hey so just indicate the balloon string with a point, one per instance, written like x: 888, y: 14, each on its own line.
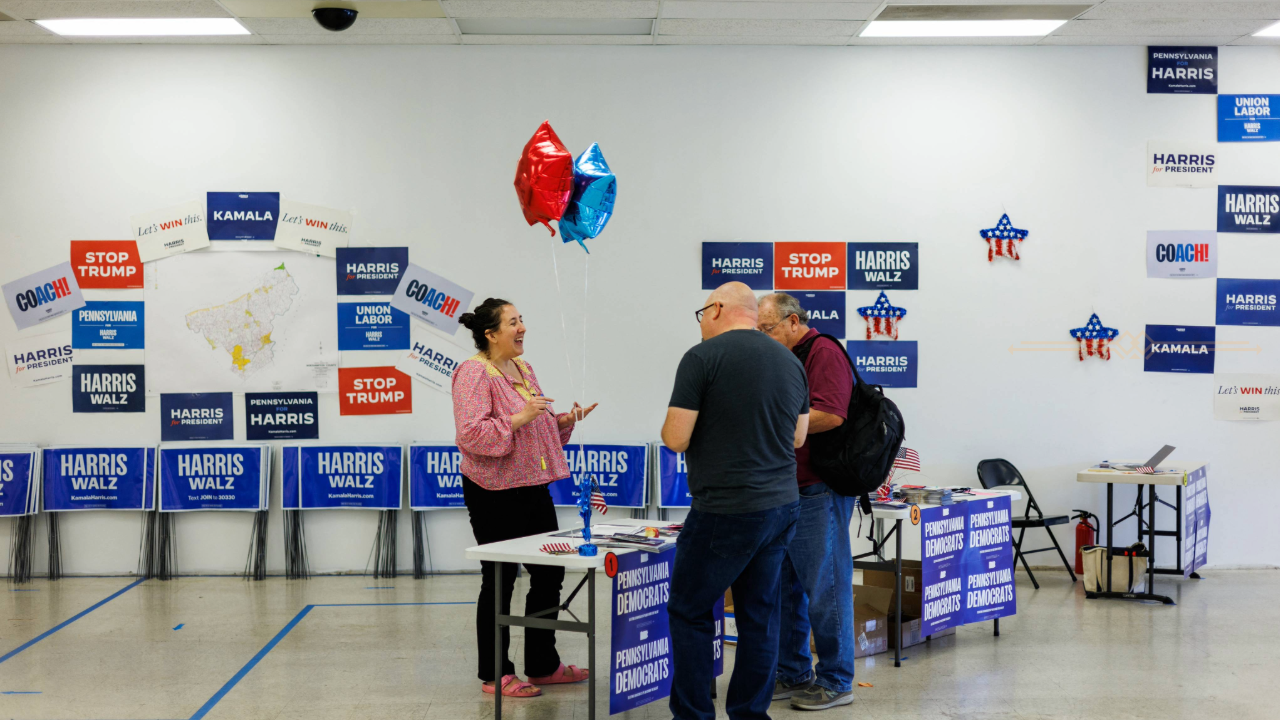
x: 564, y: 329
x: 586, y: 266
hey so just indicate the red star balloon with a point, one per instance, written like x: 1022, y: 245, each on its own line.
x: 544, y: 177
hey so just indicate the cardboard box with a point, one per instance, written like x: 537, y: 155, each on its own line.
x: 912, y: 598
x: 871, y: 607
x: 911, y: 632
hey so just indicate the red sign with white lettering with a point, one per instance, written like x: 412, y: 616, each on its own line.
x: 808, y: 266
x: 374, y: 391
x: 112, y: 264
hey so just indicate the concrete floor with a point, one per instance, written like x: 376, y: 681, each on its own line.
x: 225, y: 648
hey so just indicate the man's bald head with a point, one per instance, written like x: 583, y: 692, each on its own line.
x: 735, y: 309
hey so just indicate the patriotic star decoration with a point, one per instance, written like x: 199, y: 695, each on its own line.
x: 882, y: 318
x: 1094, y: 339
x: 1002, y: 240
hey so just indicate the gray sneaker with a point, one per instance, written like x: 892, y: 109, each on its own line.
x: 819, y: 698
x: 782, y: 691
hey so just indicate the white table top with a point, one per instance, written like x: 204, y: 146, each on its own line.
x: 527, y: 549
x: 1180, y: 469
x: 887, y: 513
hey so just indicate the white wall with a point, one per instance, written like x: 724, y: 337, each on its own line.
x: 835, y: 144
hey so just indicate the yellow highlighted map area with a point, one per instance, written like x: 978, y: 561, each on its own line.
x: 248, y: 343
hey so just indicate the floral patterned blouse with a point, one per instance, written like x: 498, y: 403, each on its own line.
x: 493, y: 456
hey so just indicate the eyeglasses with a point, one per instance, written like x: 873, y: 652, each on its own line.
x: 771, y: 327
x: 698, y: 313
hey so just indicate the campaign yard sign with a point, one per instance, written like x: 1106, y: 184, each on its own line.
x: 224, y: 477
x: 196, y: 416
x: 19, y: 480
x: 108, y: 388
x: 40, y: 360
x: 1182, y: 254
x: 243, y: 215
x: 432, y: 360
x: 435, y: 477
x: 106, y: 264
x: 312, y: 229
x: 1182, y: 70
x: 99, y: 478
x: 1185, y: 165
x: 1247, y: 302
x: 1196, y: 515
x: 884, y: 265
x: 1248, y: 209
x: 173, y: 230
x: 42, y: 296
x: 673, y: 479
x: 942, y: 542
x: 109, y: 325
x: 988, y: 563
x: 281, y: 416
x: 362, y: 477
x: 1179, y: 348
x: 619, y: 470
x: 1248, y: 118
x: 432, y: 299
x: 826, y: 311
x: 374, y: 391
x: 1246, y: 396
x: 370, y: 271
x: 745, y: 262
x: 372, y: 326
x: 888, y: 363
x: 809, y: 266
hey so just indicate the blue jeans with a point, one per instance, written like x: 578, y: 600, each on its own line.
x: 817, y: 590
x: 715, y: 552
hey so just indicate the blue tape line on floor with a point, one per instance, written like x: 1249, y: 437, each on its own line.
x: 179, y: 627
x: 21, y: 692
x: 72, y: 619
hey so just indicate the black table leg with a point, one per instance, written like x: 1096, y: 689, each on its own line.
x: 1123, y: 595
x: 497, y: 641
x: 591, y: 643
x: 1151, y: 534
x: 997, y: 627
x: 897, y: 573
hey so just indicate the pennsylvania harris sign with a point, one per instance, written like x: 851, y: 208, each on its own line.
x: 1182, y: 70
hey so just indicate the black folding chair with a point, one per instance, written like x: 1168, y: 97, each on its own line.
x: 996, y: 473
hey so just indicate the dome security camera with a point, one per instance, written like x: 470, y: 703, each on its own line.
x: 335, y: 19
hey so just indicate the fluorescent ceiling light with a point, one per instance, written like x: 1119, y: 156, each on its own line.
x: 1269, y: 31
x: 961, y: 28
x: 555, y: 26
x: 142, y: 27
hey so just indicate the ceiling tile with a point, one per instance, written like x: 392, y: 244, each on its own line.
x: 755, y: 9
x: 749, y: 40
x: 1184, y: 11
x: 367, y: 8
x: 551, y: 8
x: 170, y: 40
x: 556, y: 40
x: 1160, y: 28
x: 11, y: 28
x: 49, y: 9
x: 363, y: 26
x: 946, y: 41
x: 749, y: 28
x: 1136, y: 40
x: 346, y: 38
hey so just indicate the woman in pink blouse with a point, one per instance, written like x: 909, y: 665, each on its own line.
x: 511, y: 443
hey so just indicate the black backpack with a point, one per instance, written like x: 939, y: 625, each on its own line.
x: 856, y: 457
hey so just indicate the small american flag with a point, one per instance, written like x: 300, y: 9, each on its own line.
x: 908, y: 460
x: 558, y: 548
x: 597, y: 502
x: 1144, y: 470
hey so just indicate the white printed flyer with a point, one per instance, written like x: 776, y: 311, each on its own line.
x: 312, y: 229
x: 171, y: 231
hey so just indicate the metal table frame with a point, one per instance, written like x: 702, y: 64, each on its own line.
x: 1151, y: 532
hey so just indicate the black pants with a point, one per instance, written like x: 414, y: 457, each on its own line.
x: 503, y: 515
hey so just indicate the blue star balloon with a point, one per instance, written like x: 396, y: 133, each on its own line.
x: 595, y: 188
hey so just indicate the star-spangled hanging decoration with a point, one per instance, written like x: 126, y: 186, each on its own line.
x: 1094, y: 339
x: 1003, y: 239
x: 882, y: 318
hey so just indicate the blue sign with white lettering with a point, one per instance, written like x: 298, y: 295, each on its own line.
x: 745, y: 262
x: 887, y: 363
x: 1248, y: 209
x: 364, y: 477
x: 826, y: 310
x: 281, y: 416
x: 372, y: 326
x: 1247, y: 302
x: 370, y: 271
x: 883, y: 265
x: 988, y: 561
x: 243, y: 216
x: 227, y: 477
x: 673, y: 479
x: 109, y: 325
x: 18, y: 490
x: 943, y: 533
x: 196, y: 416
x: 99, y: 478
x: 435, y: 477
x: 1179, y: 348
x: 1182, y: 70
x: 108, y: 388
x: 1248, y: 118
x: 619, y: 470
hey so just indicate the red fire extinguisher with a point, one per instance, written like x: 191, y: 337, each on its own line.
x: 1086, y: 534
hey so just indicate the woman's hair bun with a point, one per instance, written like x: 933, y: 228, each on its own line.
x: 466, y: 319
x: 485, y: 317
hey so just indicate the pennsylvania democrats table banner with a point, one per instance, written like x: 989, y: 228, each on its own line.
x: 243, y: 216
x: 363, y: 477
x: 435, y: 476
x: 432, y: 299
x: 108, y: 388
x: 42, y: 296
x: 370, y: 271
x: 1182, y: 70
x: 673, y: 478
x: 372, y: 326
x: 109, y: 325
x: 106, y: 264
x: 173, y: 230
x: 745, y: 262
x: 99, y: 478
x: 281, y: 416
x: 1195, y: 521
x: 888, y: 363
x: 1248, y: 209
x: 214, y: 477
x: 619, y: 470
x: 1247, y: 302
x: 967, y: 567
x: 1179, y: 348
x: 196, y: 416
x: 312, y: 229
x: 40, y: 360
x: 1245, y: 118
x: 884, y: 265
x: 19, y: 479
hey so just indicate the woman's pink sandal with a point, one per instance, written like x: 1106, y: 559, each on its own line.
x: 513, y: 686
x: 563, y: 674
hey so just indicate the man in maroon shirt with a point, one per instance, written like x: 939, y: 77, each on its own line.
x: 817, y: 572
